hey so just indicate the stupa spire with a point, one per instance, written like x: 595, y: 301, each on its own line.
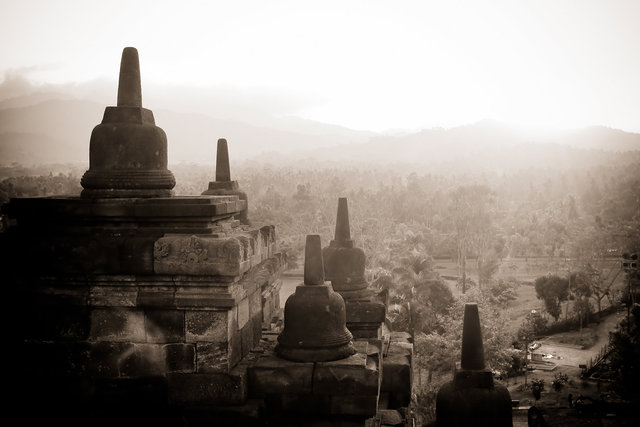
x: 472, y: 348
x: 313, y: 268
x: 343, y: 232
x: 223, y: 170
x: 129, y: 86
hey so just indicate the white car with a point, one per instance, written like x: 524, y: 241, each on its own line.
x: 534, y: 346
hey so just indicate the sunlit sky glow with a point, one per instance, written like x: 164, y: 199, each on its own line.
x: 372, y: 65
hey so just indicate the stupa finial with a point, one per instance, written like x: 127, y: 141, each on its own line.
x: 343, y: 231
x: 129, y: 86
x: 223, y: 170
x: 313, y: 268
x: 472, y: 348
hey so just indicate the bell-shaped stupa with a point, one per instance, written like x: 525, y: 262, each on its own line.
x: 128, y: 152
x: 223, y: 185
x: 314, y: 316
x: 472, y: 398
x: 343, y: 262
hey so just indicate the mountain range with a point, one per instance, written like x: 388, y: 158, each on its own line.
x: 56, y: 128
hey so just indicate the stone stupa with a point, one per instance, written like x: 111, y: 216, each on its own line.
x: 128, y: 152
x: 223, y: 185
x: 314, y: 316
x: 473, y: 398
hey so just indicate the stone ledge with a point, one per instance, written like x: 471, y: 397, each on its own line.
x: 272, y: 375
x: 208, y: 389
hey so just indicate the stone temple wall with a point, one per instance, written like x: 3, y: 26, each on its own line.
x: 113, y: 302
x: 129, y: 306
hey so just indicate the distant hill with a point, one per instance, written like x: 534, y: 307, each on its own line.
x: 62, y: 128
x: 42, y: 128
x: 486, y: 145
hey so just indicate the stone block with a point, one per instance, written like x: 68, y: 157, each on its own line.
x: 180, y: 357
x: 397, y: 374
x: 255, y: 303
x: 210, y: 326
x: 361, y: 331
x: 113, y: 296
x: 208, y: 389
x: 50, y: 359
x: 235, y: 348
x: 272, y: 375
x: 212, y: 358
x: 200, y: 255
x: 397, y: 336
x: 164, y: 326
x: 188, y: 298
x: 246, y: 336
x: 354, y: 375
x: 371, y: 311
x: 354, y: 405
x: 44, y: 323
x: 144, y: 360
x: 243, y: 313
x: 304, y: 405
x: 256, y: 328
x: 156, y: 296
x: 117, y: 324
x: 104, y: 359
x: 136, y: 255
x: 267, y: 307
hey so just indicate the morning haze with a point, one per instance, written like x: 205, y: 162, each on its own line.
x: 186, y: 260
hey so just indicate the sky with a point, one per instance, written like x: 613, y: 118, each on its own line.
x: 370, y: 65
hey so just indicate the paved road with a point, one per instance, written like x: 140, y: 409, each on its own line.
x: 570, y: 355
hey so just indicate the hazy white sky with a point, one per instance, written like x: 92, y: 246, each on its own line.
x: 364, y: 64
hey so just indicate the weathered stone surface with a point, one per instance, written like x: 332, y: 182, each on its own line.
x: 104, y: 359
x: 124, y: 325
x: 243, y: 313
x: 313, y: 268
x: 199, y: 255
x: 213, y: 357
x: 390, y: 417
x: 364, y: 406
x: 191, y: 297
x: 180, y: 357
x: 156, y: 296
x: 276, y: 376
x: 136, y: 255
x: 46, y: 323
x: 371, y: 311
x: 144, y: 360
x: 246, y: 336
x: 113, y: 296
x: 164, y: 326
x: 210, y: 326
x: 208, y: 389
x: 255, y: 303
x: 396, y: 374
x: 305, y: 406
x: 350, y: 376
x: 129, y: 85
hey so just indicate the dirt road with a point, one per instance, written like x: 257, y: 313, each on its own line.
x: 571, y: 355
